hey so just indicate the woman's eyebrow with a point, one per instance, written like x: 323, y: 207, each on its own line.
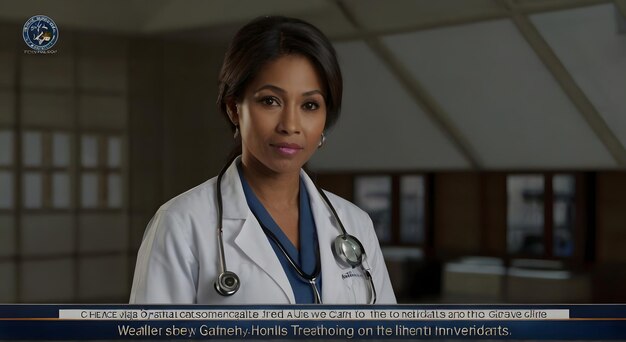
x: 272, y: 87
x: 283, y: 91
x: 311, y: 92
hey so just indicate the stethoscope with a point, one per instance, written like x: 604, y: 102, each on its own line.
x: 347, y: 249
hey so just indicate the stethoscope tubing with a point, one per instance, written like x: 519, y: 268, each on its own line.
x: 220, y: 207
x: 298, y: 269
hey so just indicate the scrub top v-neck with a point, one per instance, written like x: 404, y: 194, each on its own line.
x: 306, y: 257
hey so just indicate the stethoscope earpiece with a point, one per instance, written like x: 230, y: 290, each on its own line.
x: 227, y: 283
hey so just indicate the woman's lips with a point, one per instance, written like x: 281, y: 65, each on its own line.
x: 287, y: 148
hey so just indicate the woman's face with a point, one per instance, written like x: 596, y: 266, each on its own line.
x: 282, y: 115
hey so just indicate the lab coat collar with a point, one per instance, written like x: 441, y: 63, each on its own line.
x: 237, y: 207
x: 233, y: 198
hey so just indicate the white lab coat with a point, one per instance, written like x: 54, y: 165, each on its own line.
x: 178, y: 260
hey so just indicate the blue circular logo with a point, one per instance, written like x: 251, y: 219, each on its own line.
x: 40, y: 33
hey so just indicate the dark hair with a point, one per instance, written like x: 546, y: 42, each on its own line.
x: 267, y: 38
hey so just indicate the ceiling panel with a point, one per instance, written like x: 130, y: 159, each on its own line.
x: 330, y: 20
x: 187, y: 14
x: 547, y: 5
x: 500, y: 95
x: 379, y: 15
x: 588, y: 43
x: 381, y: 127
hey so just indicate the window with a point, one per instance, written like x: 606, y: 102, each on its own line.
x: 412, y: 209
x: 6, y: 169
x: 564, y: 214
x: 101, y: 171
x: 6, y: 189
x: 46, y: 163
x: 373, y: 194
x: 61, y: 189
x: 396, y: 204
x: 541, y: 215
x: 6, y: 147
x: 525, y: 214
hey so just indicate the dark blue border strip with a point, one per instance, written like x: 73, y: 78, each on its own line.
x: 592, y: 322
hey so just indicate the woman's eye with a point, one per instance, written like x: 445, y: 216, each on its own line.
x: 311, y: 106
x: 269, y: 101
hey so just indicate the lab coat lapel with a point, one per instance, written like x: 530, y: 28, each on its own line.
x: 253, y: 242
x: 327, y: 231
x: 250, y: 239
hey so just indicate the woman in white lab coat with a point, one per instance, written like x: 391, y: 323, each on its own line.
x: 282, y: 240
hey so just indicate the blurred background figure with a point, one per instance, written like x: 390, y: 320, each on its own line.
x: 490, y: 149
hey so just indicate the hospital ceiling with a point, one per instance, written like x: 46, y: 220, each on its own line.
x: 430, y: 84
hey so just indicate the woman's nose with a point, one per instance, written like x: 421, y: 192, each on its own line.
x: 289, y: 121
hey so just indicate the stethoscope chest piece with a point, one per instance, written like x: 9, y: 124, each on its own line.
x: 227, y: 283
x: 348, y: 250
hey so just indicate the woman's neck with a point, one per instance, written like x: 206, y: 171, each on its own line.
x: 275, y: 190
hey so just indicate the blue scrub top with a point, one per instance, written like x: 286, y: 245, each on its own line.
x: 306, y: 257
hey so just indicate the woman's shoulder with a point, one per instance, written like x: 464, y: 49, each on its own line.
x: 198, y: 198
x: 177, y: 218
x: 344, y: 205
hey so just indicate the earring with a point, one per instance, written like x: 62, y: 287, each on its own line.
x: 236, y: 135
x: 322, y: 140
